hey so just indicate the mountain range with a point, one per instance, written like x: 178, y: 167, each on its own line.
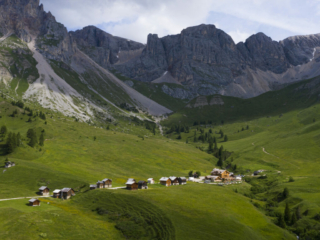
x: 76, y: 72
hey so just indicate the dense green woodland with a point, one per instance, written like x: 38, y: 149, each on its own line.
x: 50, y: 149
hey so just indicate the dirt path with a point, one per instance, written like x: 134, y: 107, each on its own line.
x: 8, y: 199
x: 263, y: 149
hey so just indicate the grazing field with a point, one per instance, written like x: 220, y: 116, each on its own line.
x: 76, y: 154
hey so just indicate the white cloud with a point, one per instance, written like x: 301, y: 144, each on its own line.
x: 134, y: 19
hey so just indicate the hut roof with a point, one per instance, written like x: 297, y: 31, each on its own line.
x: 106, y: 179
x: 33, y: 200
x: 142, y: 182
x: 164, y: 179
x: 43, y: 188
x: 150, y: 179
x: 66, y: 189
x: 57, y: 191
x: 183, y: 178
x: 172, y: 178
x: 130, y: 182
x: 93, y: 185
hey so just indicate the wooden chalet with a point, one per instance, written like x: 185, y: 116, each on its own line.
x: 34, y: 202
x: 165, y: 181
x: 107, y: 183
x: 57, y: 193
x: 131, y: 184
x: 174, y: 180
x: 92, y: 187
x: 142, y: 185
x: 222, y: 174
x: 150, y: 180
x: 182, y: 180
x: 100, y: 184
x: 66, y: 193
x: 44, y: 191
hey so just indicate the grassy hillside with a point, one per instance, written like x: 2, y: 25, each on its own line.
x: 293, y: 97
x: 76, y: 154
x: 284, y: 146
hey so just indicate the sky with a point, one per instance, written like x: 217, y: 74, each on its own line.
x: 135, y: 19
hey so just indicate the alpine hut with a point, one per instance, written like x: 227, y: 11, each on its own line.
x: 165, y: 181
x: 56, y: 193
x: 66, y: 193
x: 142, y: 185
x: 131, y: 184
x: 150, y: 180
x: 107, y: 183
x: 100, y: 184
x: 174, y: 180
x: 182, y: 180
x: 92, y: 187
x: 34, y: 202
x: 44, y: 191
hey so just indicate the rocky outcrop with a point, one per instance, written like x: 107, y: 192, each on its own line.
x: 104, y: 48
x: 27, y: 19
x: 206, y: 61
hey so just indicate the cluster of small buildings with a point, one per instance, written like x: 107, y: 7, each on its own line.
x: 220, y: 175
x: 132, y: 184
x: 105, y: 183
x: 170, y: 181
x: 64, y: 193
x: 9, y: 164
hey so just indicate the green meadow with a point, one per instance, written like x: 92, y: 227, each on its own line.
x: 77, y: 154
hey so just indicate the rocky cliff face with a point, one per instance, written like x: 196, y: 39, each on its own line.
x: 28, y: 20
x: 206, y: 61
x: 104, y: 48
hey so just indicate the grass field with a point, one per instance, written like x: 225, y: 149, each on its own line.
x: 76, y: 154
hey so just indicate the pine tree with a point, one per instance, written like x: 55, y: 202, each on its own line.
x: 210, y: 130
x: 220, y: 162
x: 4, y: 130
x: 221, y: 134
x: 41, y: 140
x: 33, y: 138
x: 18, y: 139
x: 210, y: 146
x: 154, y: 131
x: 287, y: 214
x: 293, y: 218
x: 187, y: 140
x: 10, y: 145
x: 108, y: 127
x: 226, y: 138
x: 281, y: 221
x: 195, y: 137
x: 220, y: 151
x: 215, y: 146
x: 242, y: 129
x: 285, y: 192
x: 14, y: 140
x: 214, y: 140
x: 247, y: 127
x: 190, y: 173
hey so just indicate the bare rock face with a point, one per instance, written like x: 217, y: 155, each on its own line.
x: 27, y: 19
x: 104, y: 48
x: 206, y: 61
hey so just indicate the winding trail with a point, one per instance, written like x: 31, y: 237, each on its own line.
x: 263, y: 149
x: 8, y: 199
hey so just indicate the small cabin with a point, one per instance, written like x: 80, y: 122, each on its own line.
x: 100, y: 184
x: 34, y: 202
x: 142, y: 185
x: 107, y: 183
x: 165, y: 181
x: 92, y: 187
x: 150, y: 180
x: 56, y: 193
x: 238, y: 178
x: 174, y: 180
x: 131, y: 184
x: 66, y: 193
x: 182, y: 180
x: 44, y: 191
x: 191, y: 179
x: 9, y: 164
